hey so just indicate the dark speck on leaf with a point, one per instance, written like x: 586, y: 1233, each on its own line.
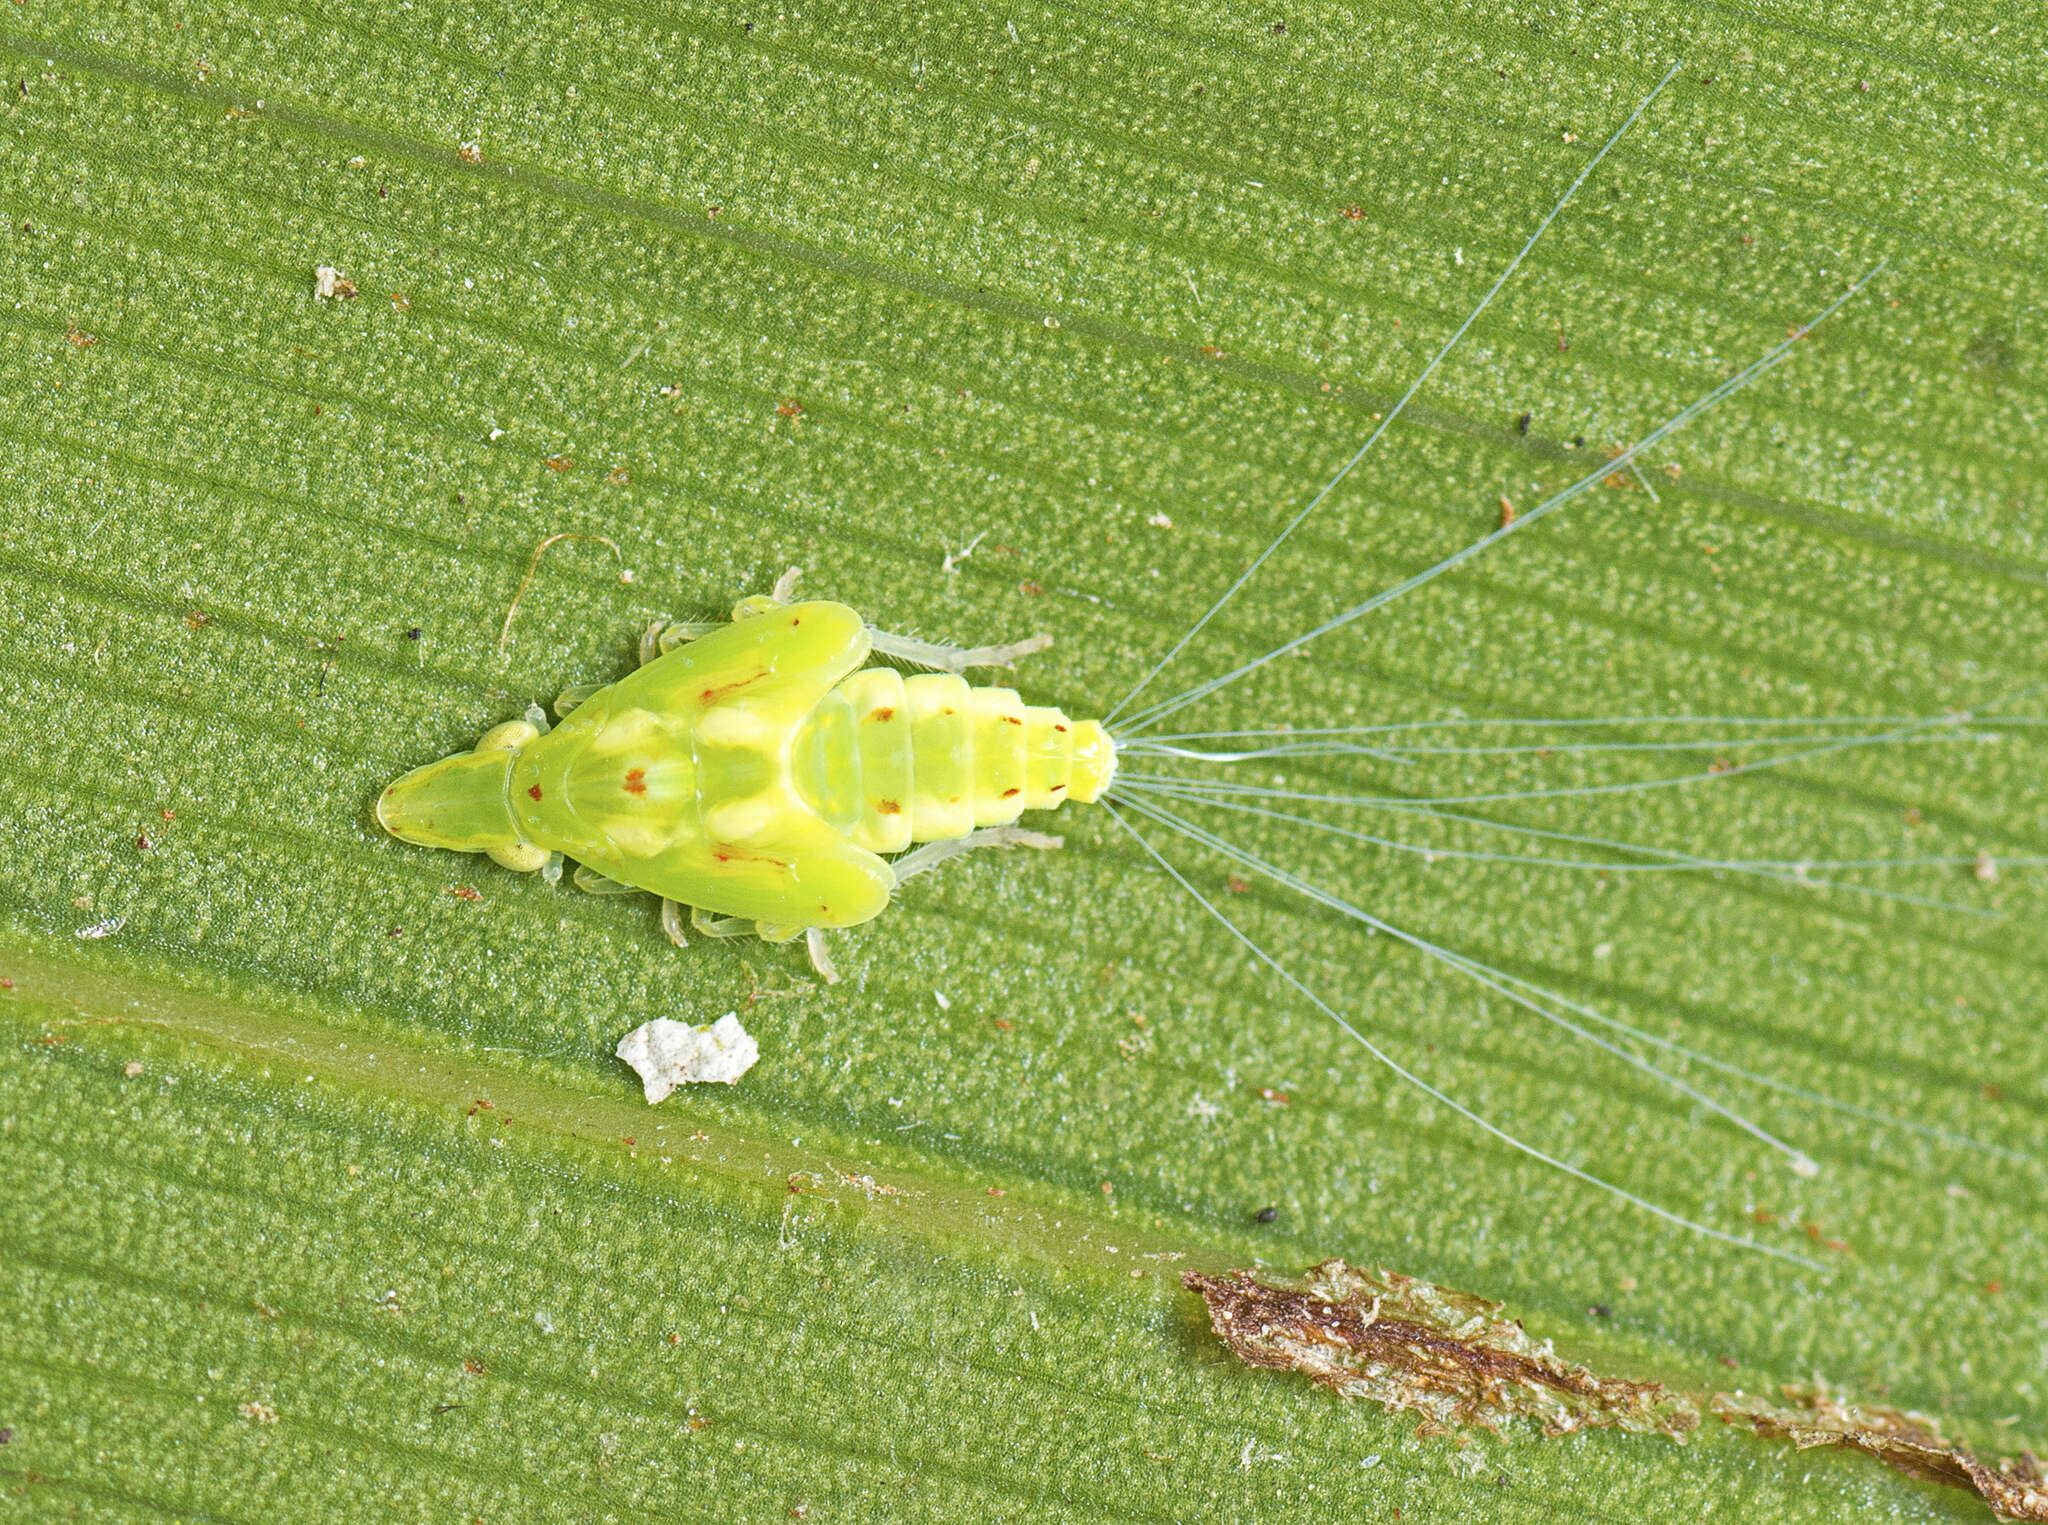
x: 1601, y: 1310
x: 1522, y: 424
x: 413, y: 634
x: 1266, y: 1214
x: 1578, y: 442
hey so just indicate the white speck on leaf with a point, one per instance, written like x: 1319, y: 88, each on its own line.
x: 666, y: 1053
x: 330, y: 285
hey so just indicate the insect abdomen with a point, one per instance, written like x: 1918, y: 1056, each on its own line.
x: 936, y: 758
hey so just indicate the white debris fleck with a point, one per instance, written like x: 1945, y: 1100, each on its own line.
x: 101, y: 929
x: 945, y: 1001
x: 666, y: 1053
x: 1986, y: 869
x: 330, y: 285
x: 1159, y: 521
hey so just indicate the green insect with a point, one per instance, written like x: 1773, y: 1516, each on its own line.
x: 758, y: 774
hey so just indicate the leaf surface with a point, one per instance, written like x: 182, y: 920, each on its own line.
x: 323, y: 1184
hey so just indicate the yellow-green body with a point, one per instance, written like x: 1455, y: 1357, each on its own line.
x: 757, y: 772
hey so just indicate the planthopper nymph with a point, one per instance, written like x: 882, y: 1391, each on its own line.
x: 760, y: 775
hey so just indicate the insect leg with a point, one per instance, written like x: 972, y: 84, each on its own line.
x: 712, y: 925
x: 954, y: 659
x: 663, y: 638
x: 932, y: 854
x: 574, y: 695
x: 591, y: 882
x: 774, y: 598
x: 821, y: 960
x: 672, y: 922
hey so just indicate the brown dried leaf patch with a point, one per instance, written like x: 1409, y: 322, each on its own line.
x: 1911, y: 1443
x: 1409, y: 1344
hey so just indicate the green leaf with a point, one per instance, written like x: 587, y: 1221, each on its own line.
x: 323, y: 1186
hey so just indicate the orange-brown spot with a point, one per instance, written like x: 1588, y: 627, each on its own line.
x: 883, y: 712
x: 1060, y: 728
x: 1013, y: 720
x: 534, y: 791
x: 949, y: 710
x: 636, y: 781
x: 1011, y: 793
x: 888, y: 807
x: 1055, y: 788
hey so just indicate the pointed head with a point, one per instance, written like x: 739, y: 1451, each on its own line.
x: 461, y: 802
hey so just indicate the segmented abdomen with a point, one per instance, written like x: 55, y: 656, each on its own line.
x: 894, y: 760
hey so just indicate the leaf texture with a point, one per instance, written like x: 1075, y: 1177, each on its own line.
x: 1103, y: 294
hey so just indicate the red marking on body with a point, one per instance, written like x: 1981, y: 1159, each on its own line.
x: 888, y: 807
x: 719, y: 691
x: 534, y: 791
x: 636, y: 782
x: 1013, y: 720
x: 734, y: 855
x: 886, y: 712
x: 1011, y: 793
x: 1055, y: 788
x: 949, y: 710
x: 1060, y: 728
